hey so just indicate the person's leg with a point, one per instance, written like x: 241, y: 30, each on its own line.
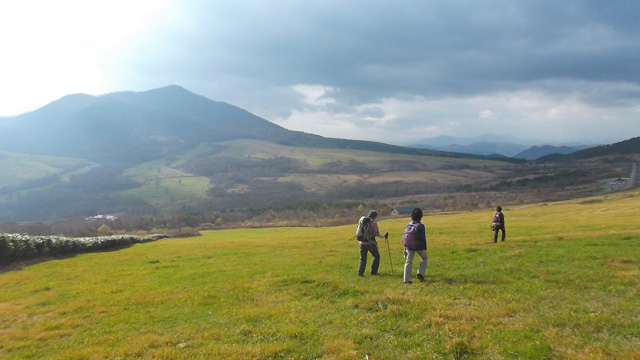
x: 363, y: 259
x: 504, y: 233
x: 495, y: 234
x: 375, y: 264
x: 422, y: 267
x: 408, y: 265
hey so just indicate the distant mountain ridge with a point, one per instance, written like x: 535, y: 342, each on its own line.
x: 134, y: 127
x: 448, y: 140
x: 626, y: 147
x: 491, y: 144
x: 536, y: 152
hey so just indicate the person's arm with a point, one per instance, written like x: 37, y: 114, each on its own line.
x: 423, y: 233
x: 376, y: 231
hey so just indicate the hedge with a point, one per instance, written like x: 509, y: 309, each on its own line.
x: 17, y: 247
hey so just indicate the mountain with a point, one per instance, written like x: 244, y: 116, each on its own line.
x: 169, y: 150
x: 487, y: 144
x: 536, y: 152
x: 486, y: 148
x: 444, y: 141
x: 622, y: 148
x: 131, y: 127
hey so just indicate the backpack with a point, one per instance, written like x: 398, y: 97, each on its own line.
x: 496, y: 221
x: 363, y: 230
x: 496, y: 217
x: 411, y: 236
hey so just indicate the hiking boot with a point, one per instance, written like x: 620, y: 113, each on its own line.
x: 421, y: 277
x: 361, y: 275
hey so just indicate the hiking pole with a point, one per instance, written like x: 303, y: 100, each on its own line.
x: 386, y: 239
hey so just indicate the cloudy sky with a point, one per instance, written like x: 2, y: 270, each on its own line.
x: 390, y: 71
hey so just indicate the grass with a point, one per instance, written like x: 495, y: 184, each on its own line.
x: 176, y: 191
x: 565, y: 285
x: 316, y: 156
x: 17, y: 168
x: 165, y: 184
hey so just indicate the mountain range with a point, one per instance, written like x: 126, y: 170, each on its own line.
x: 170, y: 151
x: 82, y: 155
x: 133, y: 127
x: 492, y: 144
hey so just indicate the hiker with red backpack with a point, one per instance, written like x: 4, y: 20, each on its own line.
x: 414, y: 241
x: 498, y: 224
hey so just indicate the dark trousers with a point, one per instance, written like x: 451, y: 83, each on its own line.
x: 495, y: 234
x: 364, y: 250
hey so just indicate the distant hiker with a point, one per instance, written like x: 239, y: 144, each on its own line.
x: 498, y: 224
x: 368, y: 226
x: 415, y: 242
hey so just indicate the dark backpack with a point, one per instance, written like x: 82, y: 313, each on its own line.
x: 411, y: 237
x: 363, y: 230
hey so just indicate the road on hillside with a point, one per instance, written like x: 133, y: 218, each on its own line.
x: 632, y: 177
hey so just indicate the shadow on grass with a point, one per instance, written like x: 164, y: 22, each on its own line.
x: 21, y: 264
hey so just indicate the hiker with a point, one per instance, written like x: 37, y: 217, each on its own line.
x: 370, y: 245
x: 419, y: 248
x: 498, y: 224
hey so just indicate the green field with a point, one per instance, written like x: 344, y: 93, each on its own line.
x: 317, y: 156
x: 17, y: 168
x: 565, y: 285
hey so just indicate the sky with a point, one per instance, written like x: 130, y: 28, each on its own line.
x: 390, y: 71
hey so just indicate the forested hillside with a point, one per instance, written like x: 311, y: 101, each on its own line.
x: 626, y: 147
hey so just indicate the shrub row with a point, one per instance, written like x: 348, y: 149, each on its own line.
x: 17, y: 247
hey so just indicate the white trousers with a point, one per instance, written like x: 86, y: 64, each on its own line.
x: 408, y: 263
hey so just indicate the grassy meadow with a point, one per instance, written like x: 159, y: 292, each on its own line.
x: 565, y: 285
x: 22, y: 167
x: 317, y: 156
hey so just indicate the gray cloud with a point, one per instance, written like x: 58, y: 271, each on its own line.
x: 446, y: 67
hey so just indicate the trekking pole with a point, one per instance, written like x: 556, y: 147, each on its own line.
x: 386, y: 239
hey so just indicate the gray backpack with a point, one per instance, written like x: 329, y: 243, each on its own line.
x: 363, y: 230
